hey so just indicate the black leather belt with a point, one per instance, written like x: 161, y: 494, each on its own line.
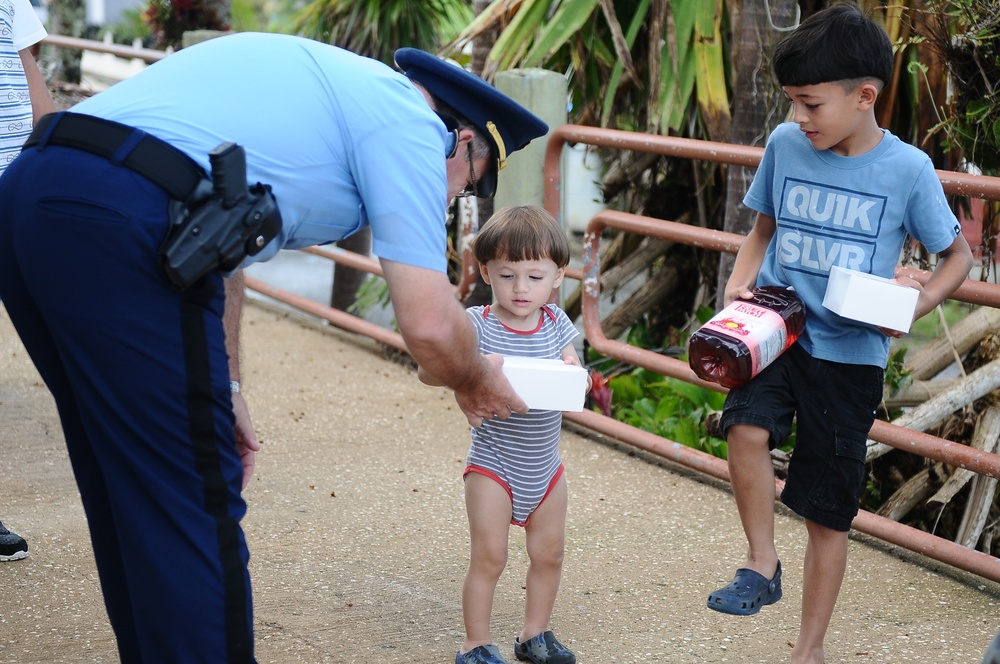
x: 147, y: 155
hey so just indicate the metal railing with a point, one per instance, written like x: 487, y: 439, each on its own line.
x: 915, y: 442
x: 145, y: 54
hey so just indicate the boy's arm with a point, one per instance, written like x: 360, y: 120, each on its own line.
x: 749, y: 259
x: 38, y: 91
x: 951, y: 270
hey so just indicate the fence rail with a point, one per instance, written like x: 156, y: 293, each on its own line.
x: 916, y: 442
x: 145, y: 54
x: 911, y: 441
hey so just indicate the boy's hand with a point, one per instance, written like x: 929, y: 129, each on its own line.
x: 895, y: 334
x: 734, y: 293
x: 918, y: 312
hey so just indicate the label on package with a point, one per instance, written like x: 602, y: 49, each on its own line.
x: 761, y: 330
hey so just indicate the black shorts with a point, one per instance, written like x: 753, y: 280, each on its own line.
x: 834, y: 405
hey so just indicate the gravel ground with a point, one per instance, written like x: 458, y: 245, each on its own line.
x: 358, y: 535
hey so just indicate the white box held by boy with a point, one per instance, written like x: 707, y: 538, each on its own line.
x: 547, y: 384
x: 870, y: 299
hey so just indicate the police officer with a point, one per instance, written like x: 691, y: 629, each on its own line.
x: 147, y: 390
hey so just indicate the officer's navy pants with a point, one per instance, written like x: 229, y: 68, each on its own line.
x: 140, y: 377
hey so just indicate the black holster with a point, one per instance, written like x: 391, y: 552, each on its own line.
x: 218, y: 229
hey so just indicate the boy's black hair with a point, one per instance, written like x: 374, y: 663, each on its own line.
x: 838, y: 43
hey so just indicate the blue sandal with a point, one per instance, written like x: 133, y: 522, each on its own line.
x: 747, y: 593
x: 489, y: 654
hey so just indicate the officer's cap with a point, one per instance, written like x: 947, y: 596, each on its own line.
x: 508, y: 125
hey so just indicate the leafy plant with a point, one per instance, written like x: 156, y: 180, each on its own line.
x: 376, y: 28
x: 668, y: 407
x: 897, y: 376
x: 170, y: 19
x: 637, y: 65
x: 131, y: 26
x: 965, y: 33
x: 372, y: 293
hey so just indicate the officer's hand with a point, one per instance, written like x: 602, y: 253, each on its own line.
x: 246, y: 439
x: 490, y: 396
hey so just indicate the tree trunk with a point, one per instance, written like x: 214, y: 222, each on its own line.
x: 68, y: 18
x: 755, y: 106
x: 908, y: 496
x: 623, y: 317
x: 916, y: 393
x: 481, y: 294
x: 222, y: 9
x: 977, y: 508
x: 964, y: 392
x: 347, y: 280
x: 930, y: 360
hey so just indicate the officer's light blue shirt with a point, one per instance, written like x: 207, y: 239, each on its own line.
x: 344, y: 141
x: 852, y: 212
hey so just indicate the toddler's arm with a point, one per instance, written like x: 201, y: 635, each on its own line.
x: 569, y: 356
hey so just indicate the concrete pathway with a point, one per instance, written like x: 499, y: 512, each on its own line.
x: 358, y: 536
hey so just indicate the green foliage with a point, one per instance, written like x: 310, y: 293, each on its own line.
x: 966, y: 33
x: 376, y: 28
x: 373, y: 292
x: 170, y: 19
x: 248, y: 16
x: 897, y: 376
x: 606, y: 50
x: 130, y: 27
x: 670, y: 408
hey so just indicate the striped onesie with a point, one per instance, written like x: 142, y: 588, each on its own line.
x: 522, y: 452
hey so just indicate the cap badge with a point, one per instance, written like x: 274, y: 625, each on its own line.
x: 501, y: 148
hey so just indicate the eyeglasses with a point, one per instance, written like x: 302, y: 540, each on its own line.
x: 470, y: 188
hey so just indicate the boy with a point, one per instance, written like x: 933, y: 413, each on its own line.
x: 514, y: 473
x: 23, y: 98
x: 832, y: 189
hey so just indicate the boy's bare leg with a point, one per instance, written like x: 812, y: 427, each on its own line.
x: 822, y: 576
x: 752, y: 478
x: 489, y: 509
x: 545, y: 539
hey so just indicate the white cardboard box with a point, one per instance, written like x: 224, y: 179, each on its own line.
x: 870, y: 299
x: 547, y: 384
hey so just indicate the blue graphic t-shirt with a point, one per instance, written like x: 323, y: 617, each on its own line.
x: 852, y: 212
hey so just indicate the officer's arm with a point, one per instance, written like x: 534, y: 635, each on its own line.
x: 231, y: 318
x: 246, y: 437
x: 441, y: 339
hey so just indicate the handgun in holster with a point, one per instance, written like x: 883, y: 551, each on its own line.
x: 217, y: 230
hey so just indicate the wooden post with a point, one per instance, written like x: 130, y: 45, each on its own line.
x: 544, y: 93
x: 522, y: 182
